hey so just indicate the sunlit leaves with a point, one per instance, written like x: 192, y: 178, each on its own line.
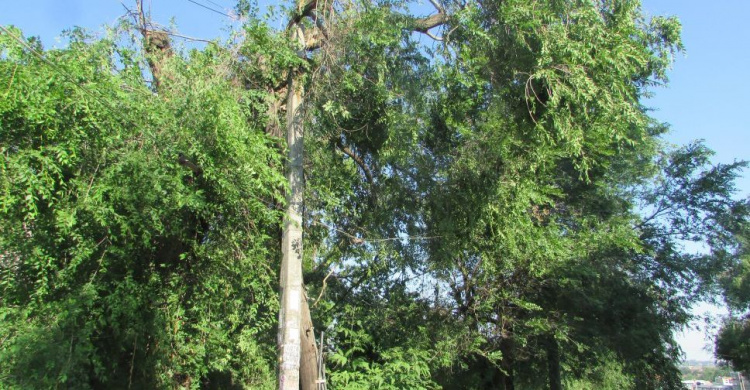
x: 133, y: 258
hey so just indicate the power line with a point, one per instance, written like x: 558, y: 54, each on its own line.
x: 362, y: 240
x: 172, y: 34
x: 214, y: 3
x: 212, y: 9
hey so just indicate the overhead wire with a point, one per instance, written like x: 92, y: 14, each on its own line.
x: 189, y: 38
x: 361, y: 240
x: 150, y: 25
x: 213, y: 9
x: 214, y: 3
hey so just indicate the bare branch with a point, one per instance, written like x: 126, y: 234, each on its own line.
x: 156, y: 43
x: 141, y: 16
x: 429, y: 34
x: 423, y: 25
x: 322, y: 289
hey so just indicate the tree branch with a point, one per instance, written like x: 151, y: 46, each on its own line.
x: 357, y: 159
x: 435, y: 37
x: 304, y: 8
x: 437, y: 6
x: 424, y: 25
x: 185, y: 162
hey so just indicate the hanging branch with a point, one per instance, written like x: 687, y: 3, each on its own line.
x: 357, y: 159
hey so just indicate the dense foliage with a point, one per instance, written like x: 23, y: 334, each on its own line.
x: 120, y: 266
x: 492, y: 210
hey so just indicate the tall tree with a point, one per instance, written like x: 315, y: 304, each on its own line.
x: 464, y: 198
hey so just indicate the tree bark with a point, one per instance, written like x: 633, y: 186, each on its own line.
x: 291, y: 246
x: 308, y: 369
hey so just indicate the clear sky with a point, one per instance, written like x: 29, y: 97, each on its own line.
x: 704, y: 100
x: 708, y: 91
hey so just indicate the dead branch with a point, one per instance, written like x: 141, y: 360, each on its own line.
x: 156, y: 43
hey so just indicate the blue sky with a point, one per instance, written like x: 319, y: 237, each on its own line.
x: 705, y: 99
x: 707, y: 93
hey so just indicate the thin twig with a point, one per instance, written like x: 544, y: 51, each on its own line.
x: 10, y: 82
x: 437, y: 38
x: 91, y: 182
x: 132, y: 362
x: 322, y: 289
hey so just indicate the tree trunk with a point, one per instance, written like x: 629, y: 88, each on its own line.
x: 308, y: 369
x: 495, y: 379
x: 507, y: 363
x: 291, y: 246
x: 553, y: 364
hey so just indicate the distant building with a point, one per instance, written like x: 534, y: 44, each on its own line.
x: 688, y: 385
x: 698, y: 385
x: 695, y: 369
x: 726, y: 380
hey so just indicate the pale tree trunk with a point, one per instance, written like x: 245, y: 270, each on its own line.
x: 295, y: 326
x: 308, y: 369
